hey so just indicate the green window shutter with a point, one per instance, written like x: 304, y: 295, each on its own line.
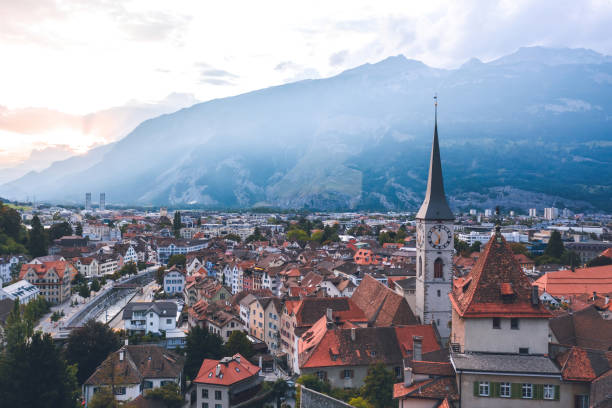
x: 515, y: 390
x: 539, y: 391
x: 476, y: 388
x: 495, y: 389
x: 557, y: 393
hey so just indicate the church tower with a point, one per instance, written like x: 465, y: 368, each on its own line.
x: 434, y: 248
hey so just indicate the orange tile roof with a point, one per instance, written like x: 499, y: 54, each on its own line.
x: 607, y: 253
x: 41, y: 269
x: 381, y: 305
x: 481, y: 294
x: 230, y: 371
x: 583, y: 280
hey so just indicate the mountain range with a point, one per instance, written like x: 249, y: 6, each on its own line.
x: 530, y: 129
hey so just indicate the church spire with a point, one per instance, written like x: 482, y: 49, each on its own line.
x: 435, y: 206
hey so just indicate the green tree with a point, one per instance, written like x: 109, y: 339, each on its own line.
x: 37, y: 242
x: 378, y: 386
x: 79, y: 229
x: 17, y: 328
x: 461, y: 247
x: 571, y: 259
x: 359, y: 402
x: 88, y: 347
x: 95, y: 284
x: 59, y: 230
x: 298, y: 235
x: 518, y: 248
x: 233, y: 237
x: 103, y: 398
x: 169, y: 395
x: 599, y: 261
x: 159, y: 275
x: 176, y: 224
x: 255, y: 236
x: 84, y: 290
x: 34, y: 374
x: 239, y: 343
x: 312, y: 381
x: 128, y: 269
x: 200, y: 344
x: 555, y: 247
x: 180, y: 260
x: 475, y: 247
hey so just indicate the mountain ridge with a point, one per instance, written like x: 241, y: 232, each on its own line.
x: 360, y: 140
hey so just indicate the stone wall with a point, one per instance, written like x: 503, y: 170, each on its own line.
x: 310, y: 398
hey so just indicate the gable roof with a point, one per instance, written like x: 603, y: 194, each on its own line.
x: 381, y: 305
x: 585, y: 328
x: 41, y: 269
x: 578, y: 364
x: 227, y: 371
x: 579, y: 281
x: 309, y: 310
x: 496, y: 286
x: 139, y: 362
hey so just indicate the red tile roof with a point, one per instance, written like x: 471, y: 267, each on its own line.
x: 41, y: 269
x: 583, y: 280
x: 226, y: 371
x: 485, y: 291
x: 381, y: 305
x: 607, y: 253
x: 441, y: 388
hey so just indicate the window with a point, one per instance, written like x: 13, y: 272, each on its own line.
x: 504, y: 390
x: 439, y: 293
x: 398, y: 372
x: 420, y: 266
x: 439, y: 269
x: 205, y: 405
x: 204, y: 393
x: 549, y: 391
x: 321, y: 375
x: 218, y: 406
x: 217, y: 395
x: 120, y: 391
x: 514, y: 323
x: 168, y: 321
x: 347, y: 374
x: 523, y: 350
x: 147, y: 384
x: 527, y: 391
x: 496, y: 323
x: 483, y: 389
x: 582, y: 401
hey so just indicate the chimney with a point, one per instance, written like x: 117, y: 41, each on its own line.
x: 594, y: 296
x: 126, y: 341
x: 238, y: 359
x: 218, y: 370
x: 417, y: 348
x: 328, y: 313
x: 121, y: 355
x: 353, y: 334
x: 535, y: 299
x: 260, y: 362
x: 408, y: 379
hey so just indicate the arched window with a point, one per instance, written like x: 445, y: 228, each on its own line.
x: 438, y: 268
x: 420, y: 266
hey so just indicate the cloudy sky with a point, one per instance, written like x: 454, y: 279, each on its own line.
x: 63, y: 60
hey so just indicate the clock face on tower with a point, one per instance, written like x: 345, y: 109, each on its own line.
x: 439, y: 236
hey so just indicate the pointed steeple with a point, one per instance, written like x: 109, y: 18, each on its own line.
x: 435, y: 206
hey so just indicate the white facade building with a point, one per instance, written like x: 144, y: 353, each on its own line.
x: 174, y: 281
x: 22, y: 290
x: 151, y: 317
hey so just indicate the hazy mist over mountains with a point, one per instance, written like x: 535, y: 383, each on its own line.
x: 532, y: 128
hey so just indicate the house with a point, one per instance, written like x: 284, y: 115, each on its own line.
x: 166, y: 247
x: 174, y: 281
x: 566, y: 283
x: 264, y: 320
x: 87, y: 266
x: 216, y: 317
x: 107, y: 264
x: 22, y: 290
x: 499, y: 337
x: 381, y: 305
x: 132, y: 370
x: 585, y: 328
x: 337, y: 286
x: 6, y: 265
x: 205, y: 288
x: 126, y: 252
x: 52, y: 279
x: 342, y: 356
x: 226, y: 382
x: 150, y: 317
x: 428, y: 384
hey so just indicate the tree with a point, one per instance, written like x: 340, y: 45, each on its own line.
x: 179, y: 260
x: 169, y: 395
x: 518, y: 248
x: 79, y: 229
x: 59, y: 230
x: 17, y: 328
x: 159, y: 275
x: 555, y: 247
x: 298, y: 235
x: 88, y: 347
x: 359, y: 402
x: 34, y: 374
x: 312, y: 381
x: 239, y: 343
x: 128, y: 269
x: 279, y: 389
x: 37, y: 242
x: 84, y: 290
x: 200, y: 344
x: 95, y: 284
x: 475, y: 247
x: 599, y: 261
x: 571, y: 258
x: 103, y: 398
x: 461, y: 247
x: 255, y: 236
x: 233, y: 237
x: 378, y: 386
x: 176, y: 225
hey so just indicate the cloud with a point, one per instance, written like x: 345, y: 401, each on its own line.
x: 215, y: 76
x: 338, y: 58
x: 218, y: 73
x: 286, y: 65
x: 570, y: 105
x: 216, y: 81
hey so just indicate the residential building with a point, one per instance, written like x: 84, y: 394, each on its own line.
x: 52, y: 279
x: 6, y: 265
x: 567, y: 283
x: 226, y: 382
x: 133, y: 370
x: 551, y: 213
x: 174, y: 281
x: 533, y: 212
x: 167, y: 247
x: 22, y: 290
x: 150, y: 317
x: 87, y: 266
